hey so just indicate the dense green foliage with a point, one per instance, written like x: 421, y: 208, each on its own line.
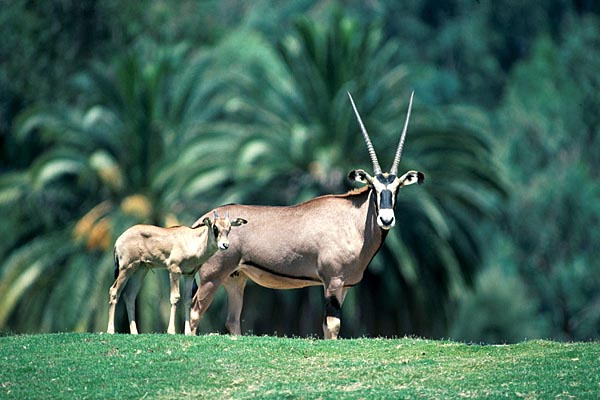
x: 161, y: 366
x: 113, y: 114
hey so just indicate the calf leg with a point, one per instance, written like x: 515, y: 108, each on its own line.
x: 334, y: 298
x: 174, y: 277
x: 234, y: 286
x: 114, y: 294
x: 130, y: 294
x: 188, y: 282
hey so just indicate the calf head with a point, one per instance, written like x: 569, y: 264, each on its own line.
x: 220, y: 228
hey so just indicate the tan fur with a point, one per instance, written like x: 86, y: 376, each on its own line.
x: 326, y: 241
x: 181, y: 250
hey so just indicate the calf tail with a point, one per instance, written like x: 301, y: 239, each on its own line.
x: 116, y: 264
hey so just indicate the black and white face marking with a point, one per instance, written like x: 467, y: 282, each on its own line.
x: 385, y: 184
x: 386, y: 187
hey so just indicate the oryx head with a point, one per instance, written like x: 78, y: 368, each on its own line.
x: 221, y: 227
x: 385, y: 184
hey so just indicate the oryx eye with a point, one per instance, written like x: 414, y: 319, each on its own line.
x: 215, y: 231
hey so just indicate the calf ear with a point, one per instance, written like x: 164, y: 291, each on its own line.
x: 238, y: 222
x: 206, y: 222
x: 360, y: 175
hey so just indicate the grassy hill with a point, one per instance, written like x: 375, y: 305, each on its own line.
x: 174, y: 367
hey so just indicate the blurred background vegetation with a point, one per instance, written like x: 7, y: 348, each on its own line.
x: 114, y: 113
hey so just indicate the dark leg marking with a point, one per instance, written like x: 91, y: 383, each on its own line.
x: 333, y: 307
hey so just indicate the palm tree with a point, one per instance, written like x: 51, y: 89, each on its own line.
x: 162, y: 135
x: 300, y: 138
x: 141, y: 131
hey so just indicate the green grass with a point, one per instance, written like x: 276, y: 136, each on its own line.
x: 174, y: 367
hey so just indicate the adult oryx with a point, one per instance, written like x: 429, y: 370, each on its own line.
x: 326, y: 241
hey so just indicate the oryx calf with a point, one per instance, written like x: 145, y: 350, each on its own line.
x: 181, y: 250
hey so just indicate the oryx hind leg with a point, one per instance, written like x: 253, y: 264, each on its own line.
x: 130, y: 294
x: 234, y: 286
x: 335, y: 292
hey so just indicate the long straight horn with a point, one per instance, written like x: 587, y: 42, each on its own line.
x: 376, y: 167
x: 394, y: 169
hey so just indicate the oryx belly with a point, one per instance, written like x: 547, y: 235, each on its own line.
x: 275, y: 280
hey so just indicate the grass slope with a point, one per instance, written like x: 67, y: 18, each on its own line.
x: 174, y: 367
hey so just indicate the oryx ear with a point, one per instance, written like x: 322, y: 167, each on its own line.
x: 412, y: 177
x: 360, y: 175
x: 238, y: 222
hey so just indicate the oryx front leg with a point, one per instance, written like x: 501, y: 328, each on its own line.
x: 201, y: 301
x: 334, y: 298
x: 234, y: 286
x: 174, y: 298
